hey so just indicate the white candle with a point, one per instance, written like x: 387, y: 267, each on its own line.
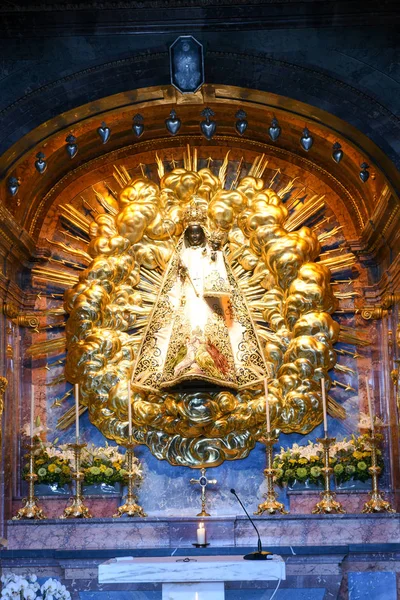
x: 77, y: 411
x: 32, y: 410
x: 324, y: 406
x: 201, y: 534
x: 129, y: 410
x: 267, y: 406
x: 370, y: 409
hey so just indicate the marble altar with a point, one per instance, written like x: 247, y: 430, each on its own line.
x: 312, y: 572
x: 190, y: 578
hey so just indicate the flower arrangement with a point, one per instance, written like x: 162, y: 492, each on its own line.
x: 350, y: 459
x: 301, y: 463
x: 28, y: 588
x: 105, y: 465
x: 53, y: 464
x: 364, y: 422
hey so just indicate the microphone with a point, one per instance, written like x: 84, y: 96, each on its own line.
x: 260, y: 554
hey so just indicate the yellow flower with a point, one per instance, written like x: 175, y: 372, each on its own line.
x: 292, y: 461
x: 357, y: 454
x: 117, y: 467
x: 65, y: 470
x: 40, y: 461
x: 103, y: 468
x: 51, y: 468
x: 303, y: 461
x: 314, y: 458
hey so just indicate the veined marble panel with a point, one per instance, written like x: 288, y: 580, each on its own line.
x: 197, y: 568
x: 324, y: 530
x: 94, y: 534
x: 151, y: 532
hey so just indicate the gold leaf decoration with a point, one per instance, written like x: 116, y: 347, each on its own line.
x: 47, y: 347
x: 275, y: 259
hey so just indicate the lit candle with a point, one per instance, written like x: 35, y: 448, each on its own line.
x: 201, y: 534
x: 324, y: 406
x: 267, y: 406
x: 129, y: 410
x: 77, y: 411
x: 370, y: 409
x: 32, y: 410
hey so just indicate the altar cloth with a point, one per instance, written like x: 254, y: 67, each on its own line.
x: 197, y: 568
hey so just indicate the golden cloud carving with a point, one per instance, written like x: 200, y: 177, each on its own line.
x: 287, y: 290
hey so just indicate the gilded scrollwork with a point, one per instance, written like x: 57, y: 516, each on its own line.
x: 377, y: 312
x: 287, y: 292
x: 21, y: 319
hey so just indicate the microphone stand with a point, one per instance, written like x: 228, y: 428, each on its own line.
x: 260, y: 554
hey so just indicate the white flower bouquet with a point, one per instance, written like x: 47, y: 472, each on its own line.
x: 349, y: 459
x: 16, y: 587
x: 54, y: 463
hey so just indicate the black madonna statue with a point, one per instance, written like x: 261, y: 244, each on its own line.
x: 200, y: 327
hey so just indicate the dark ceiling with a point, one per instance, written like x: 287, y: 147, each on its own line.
x: 45, y: 17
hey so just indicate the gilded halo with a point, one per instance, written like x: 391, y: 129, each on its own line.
x: 275, y: 262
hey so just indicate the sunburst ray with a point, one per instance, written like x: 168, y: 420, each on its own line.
x: 53, y: 276
x: 47, y: 346
x: 305, y: 212
x: 74, y: 218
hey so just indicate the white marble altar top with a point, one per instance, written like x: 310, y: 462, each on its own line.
x: 199, y: 568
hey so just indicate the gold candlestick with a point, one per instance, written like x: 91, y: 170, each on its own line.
x: 77, y: 509
x: 30, y: 510
x: 271, y: 505
x: 328, y: 504
x: 376, y: 503
x: 130, y: 507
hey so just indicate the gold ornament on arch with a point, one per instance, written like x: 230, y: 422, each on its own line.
x: 282, y: 293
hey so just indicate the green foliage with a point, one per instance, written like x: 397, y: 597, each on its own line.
x: 50, y: 469
x: 349, y: 459
x: 55, y: 464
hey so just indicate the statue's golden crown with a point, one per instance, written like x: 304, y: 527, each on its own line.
x: 195, y: 214
x: 218, y: 236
